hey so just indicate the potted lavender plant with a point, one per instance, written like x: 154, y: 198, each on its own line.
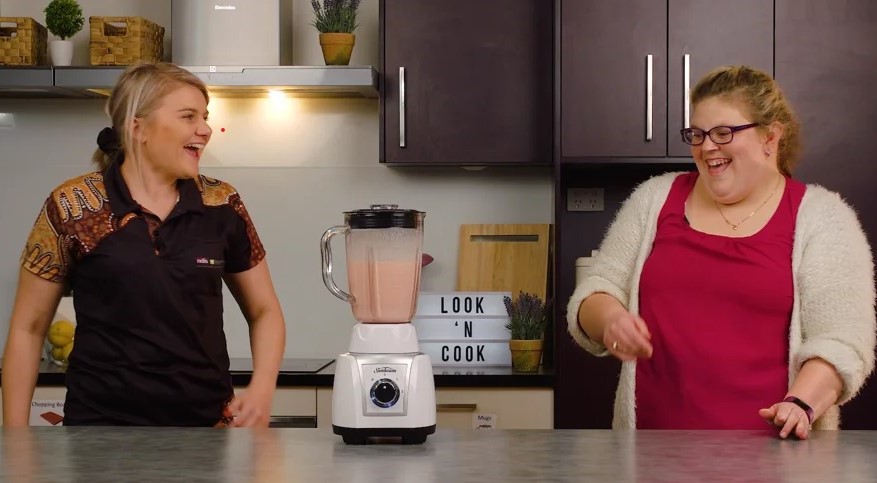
x: 528, y: 317
x: 336, y: 21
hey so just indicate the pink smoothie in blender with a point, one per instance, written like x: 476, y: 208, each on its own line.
x: 384, y: 255
x: 384, y: 291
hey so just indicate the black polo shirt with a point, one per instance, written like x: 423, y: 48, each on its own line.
x: 149, y: 346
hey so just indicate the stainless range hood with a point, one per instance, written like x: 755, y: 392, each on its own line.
x: 299, y: 81
x: 223, y: 81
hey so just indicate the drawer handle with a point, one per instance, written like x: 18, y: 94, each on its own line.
x: 456, y: 407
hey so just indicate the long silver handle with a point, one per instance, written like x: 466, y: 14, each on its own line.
x: 686, y: 97
x: 401, y: 107
x: 326, y: 251
x: 465, y: 407
x: 649, y: 96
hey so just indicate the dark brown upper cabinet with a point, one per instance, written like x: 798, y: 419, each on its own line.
x: 466, y: 82
x: 627, y: 67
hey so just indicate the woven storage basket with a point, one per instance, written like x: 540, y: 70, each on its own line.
x: 125, y: 40
x: 22, y: 42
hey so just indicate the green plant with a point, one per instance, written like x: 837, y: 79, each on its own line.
x: 335, y: 16
x: 528, y: 316
x: 64, y: 18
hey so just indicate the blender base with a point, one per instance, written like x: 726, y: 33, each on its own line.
x: 383, y: 396
x: 384, y: 435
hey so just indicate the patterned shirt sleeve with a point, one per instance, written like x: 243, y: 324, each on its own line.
x: 245, y: 249
x: 47, y: 252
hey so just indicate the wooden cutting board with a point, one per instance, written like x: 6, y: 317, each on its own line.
x: 509, y: 257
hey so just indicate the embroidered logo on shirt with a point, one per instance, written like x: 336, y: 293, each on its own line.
x: 209, y: 262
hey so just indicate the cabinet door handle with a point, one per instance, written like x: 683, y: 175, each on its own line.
x: 401, y: 107
x: 686, y: 95
x: 456, y: 407
x: 649, y: 97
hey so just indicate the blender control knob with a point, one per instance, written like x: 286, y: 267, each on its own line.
x: 384, y: 393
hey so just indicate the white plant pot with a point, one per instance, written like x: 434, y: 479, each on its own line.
x: 61, y: 52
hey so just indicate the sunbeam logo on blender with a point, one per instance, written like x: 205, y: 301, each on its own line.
x: 385, y: 370
x: 209, y: 262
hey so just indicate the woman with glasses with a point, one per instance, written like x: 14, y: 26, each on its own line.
x: 734, y: 295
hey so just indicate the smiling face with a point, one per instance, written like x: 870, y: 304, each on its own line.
x: 173, y: 136
x: 731, y: 172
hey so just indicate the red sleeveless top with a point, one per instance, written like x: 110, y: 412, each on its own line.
x: 718, y: 309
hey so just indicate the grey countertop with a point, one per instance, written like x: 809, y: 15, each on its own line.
x: 67, y: 454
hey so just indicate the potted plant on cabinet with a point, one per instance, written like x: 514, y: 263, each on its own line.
x: 336, y: 21
x: 64, y: 19
x: 528, y: 316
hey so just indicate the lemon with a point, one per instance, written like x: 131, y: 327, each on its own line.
x: 57, y: 353
x: 65, y: 351
x: 61, y: 333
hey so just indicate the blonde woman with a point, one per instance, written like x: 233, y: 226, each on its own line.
x: 145, y: 244
x: 734, y: 295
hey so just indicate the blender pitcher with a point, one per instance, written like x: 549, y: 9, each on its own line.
x: 384, y: 252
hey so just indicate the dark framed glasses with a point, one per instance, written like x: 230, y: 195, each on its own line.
x: 718, y: 134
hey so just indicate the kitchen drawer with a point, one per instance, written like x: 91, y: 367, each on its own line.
x: 292, y: 401
x: 324, y: 407
x: 50, y: 394
x: 292, y: 407
x: 514, y: 408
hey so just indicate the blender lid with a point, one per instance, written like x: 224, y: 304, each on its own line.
x: 384, y: 216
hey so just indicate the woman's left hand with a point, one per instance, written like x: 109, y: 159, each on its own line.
x: 789, y: 417
x: 251, y: 408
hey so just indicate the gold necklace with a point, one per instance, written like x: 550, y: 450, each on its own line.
x: 737, y: 225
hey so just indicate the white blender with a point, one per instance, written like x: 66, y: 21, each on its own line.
x: 384, y: 385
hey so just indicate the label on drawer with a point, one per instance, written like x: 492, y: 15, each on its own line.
x: 483, y: 421
x: 449, y: 304
x: 461, y: 329
x: 468, y: 353
x: 45, y: 412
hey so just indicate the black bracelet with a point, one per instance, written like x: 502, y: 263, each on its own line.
x: 801, y: 404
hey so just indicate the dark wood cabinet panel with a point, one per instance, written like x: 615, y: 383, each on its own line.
x: 478, y: 82
x: 604, y: 51
x: 711, y: 33
x: 826, y: 53
x: 584, y: 388
x: 605, y: 105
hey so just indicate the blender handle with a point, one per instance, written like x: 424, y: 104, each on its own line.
x: 326, y: 251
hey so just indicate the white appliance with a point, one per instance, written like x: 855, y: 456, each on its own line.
x: 227, y: 32
x: 384, y: 385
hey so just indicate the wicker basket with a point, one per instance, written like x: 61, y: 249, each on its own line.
x: 23, y: 41
x: 125, y: 40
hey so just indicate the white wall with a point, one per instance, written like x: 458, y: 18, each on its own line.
x: 298, y: 165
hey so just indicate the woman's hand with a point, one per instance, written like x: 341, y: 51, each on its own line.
x: 252, y: 408
x: 627, y: 337
x: 789, y: 417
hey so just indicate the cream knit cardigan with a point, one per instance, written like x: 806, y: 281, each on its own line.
x: 833, y: 311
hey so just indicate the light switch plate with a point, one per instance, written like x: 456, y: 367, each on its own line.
x: 584, y: 199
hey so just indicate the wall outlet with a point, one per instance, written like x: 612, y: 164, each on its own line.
x: 584, y: 199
